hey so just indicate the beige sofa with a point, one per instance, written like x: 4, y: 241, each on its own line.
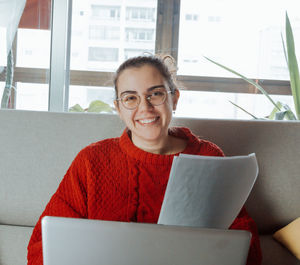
x: 36, y: 148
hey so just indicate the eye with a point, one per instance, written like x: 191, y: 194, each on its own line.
x: 129, y: 98
x: 157, y: 94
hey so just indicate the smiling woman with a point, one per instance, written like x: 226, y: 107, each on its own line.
x: 147, y: 104
x: 124, y: 178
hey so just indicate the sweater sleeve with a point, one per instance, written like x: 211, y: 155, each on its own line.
x: 245, y: 222
x: 68, y: 201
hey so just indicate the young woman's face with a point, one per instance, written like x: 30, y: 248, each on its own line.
x: 147, y: 123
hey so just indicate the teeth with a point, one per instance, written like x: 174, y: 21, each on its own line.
x: 148, y: 120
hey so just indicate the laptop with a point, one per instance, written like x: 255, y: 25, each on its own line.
x: 93, y: 242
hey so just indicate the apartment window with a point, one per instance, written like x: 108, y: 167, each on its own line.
x: 137, y: 34
x: 103, y: 54
x: 191, y: 17
x: 140, y: 13
x: 98, y: 32
x: 105, y: 12
x: 215, y: 19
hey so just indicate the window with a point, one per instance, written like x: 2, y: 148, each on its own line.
x: 214, y: 18
x: 191, y: 17
x: 92, y: 38
x: 140, y: 13
x: 137, y: 34
x: 233, y: 37
x: 3, y: 47
x: 32, y: 96
x: 105, y: 12
x: 103, y: 54
x: 99, y: 32
x: 84, y: 95
x: 105, y: 33
x: 31, y: 50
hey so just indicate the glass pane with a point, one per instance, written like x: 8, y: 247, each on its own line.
x: 217, y: 105
x: 33, y: 48
x: 32, y: 96
x: 3, y: 48
x: 2, y: 85
x: 84, y: 95
x: 243, y: 35
x: 105, y: 33
x: 32, y: 57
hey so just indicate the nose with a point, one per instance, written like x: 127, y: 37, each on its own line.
x: 145, y: 104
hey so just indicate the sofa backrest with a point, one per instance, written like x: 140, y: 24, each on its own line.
x: 36, y: 148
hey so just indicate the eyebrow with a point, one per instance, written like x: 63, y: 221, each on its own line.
x: 135, y: 92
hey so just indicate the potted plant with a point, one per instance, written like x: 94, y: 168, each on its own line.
x: 95, y: 106
x: 281, y: 111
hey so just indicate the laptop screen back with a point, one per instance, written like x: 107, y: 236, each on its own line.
x: 93, y: 242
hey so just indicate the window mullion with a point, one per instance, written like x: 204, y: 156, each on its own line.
x: 167, y: 27
x: 60, y: 50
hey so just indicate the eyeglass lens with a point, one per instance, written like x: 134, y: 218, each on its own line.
x: 131, y: 101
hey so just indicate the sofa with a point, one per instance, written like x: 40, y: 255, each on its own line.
x: 36, y: 148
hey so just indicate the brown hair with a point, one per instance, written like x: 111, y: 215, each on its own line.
x: 156, y: 62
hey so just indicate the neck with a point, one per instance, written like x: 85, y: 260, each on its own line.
x: 165, y: 146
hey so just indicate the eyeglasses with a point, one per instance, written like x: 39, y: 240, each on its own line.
x: 157, y: 97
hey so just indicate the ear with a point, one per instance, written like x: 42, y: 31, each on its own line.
x: 176, y: 96
x: 116, y: 103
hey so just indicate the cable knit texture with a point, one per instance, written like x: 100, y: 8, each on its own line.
x: 114, y: 180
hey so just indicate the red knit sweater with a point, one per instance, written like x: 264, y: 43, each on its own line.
x: 114, y: 180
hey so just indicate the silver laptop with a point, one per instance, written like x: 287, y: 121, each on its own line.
x: 93, y: 242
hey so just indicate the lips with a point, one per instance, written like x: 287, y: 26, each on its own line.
x: 148, y: 121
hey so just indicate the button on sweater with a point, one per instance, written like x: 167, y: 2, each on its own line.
x: 114, y: 180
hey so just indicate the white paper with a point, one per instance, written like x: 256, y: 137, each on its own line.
x: 206, y: 191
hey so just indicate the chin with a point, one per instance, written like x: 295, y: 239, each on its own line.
x: 148, y: 136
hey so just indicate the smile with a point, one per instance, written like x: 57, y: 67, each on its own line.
x: 147, y: 121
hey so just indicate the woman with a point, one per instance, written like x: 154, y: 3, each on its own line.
x: 124, y: 179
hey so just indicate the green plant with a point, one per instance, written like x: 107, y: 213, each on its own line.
x: 95, y: 106
x: 281, y: 111
x: 9, y: 81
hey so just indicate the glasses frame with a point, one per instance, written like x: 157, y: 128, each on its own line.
x: 148, y: 98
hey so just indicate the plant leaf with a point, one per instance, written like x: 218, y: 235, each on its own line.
x: 254, y: 117
x: 284, y: 50
x: 76, y: 108
x: 290, y: 115
x: 247, y: 80
x: 99, y: 106
x: 274, y: 111
x: 293, y: 66
x: 280, y: 115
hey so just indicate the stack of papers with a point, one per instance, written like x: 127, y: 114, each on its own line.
x: 206, y: 191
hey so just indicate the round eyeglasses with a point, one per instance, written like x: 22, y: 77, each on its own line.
x: 131, y: 101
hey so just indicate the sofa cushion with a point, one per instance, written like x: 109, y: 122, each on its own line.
x: 13, y: 244
x: 289, y: 236
x: 39, y: 148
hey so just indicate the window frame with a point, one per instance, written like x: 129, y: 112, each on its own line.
x: 167, y: 35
